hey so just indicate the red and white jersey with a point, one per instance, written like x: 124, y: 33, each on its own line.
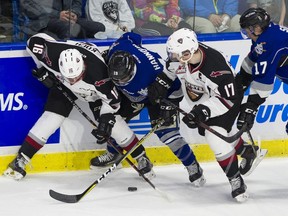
x: 95, y: 84
x: 210, y: 82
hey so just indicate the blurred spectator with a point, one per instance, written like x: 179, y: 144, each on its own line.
x: 286, y: 11
x: 211, y: 15
x: 5, y: 20
x: 59, y: 19
x: 242, y: 6
x: 275, y: 8
x: 156, y: 18
x: 114, y: 14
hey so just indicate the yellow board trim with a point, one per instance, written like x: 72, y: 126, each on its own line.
x: 159, y: 155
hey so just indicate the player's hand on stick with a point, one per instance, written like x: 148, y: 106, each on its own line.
x: 158, y: 89
x: 199, y: 113
x: 104, y: 130
x: 167, y: 113
x: 247, y: 115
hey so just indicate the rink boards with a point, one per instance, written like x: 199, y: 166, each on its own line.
x: 22, y: 99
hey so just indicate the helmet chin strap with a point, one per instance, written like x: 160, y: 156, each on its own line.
x: 186, y: 61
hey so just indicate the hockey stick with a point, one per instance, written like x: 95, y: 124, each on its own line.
x: 252, y: 141
x: 76, y: 198
x: 203, y: 125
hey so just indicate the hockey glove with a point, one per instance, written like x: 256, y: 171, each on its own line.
x: 104, y: 130
x: 166, y: 113
x: 199, y: 113
x: 287, y: 128
x: 247, y: 115
x: 43, y: 75
x: 158, y: 89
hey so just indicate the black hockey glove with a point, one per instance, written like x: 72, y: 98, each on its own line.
x: 43, y: 75
x: 166, y: 112
x: 199, y: 113
x: 104, y: 130
x: 158, y: 89
x: 247, y: 115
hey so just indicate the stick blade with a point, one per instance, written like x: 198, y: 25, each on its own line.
x: 65, y: 197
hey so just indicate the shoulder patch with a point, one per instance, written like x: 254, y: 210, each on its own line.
x: 101, y: 82
x: 219, y: 73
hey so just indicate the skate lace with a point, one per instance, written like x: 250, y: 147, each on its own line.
x: 192, y: 169
x: 22, y: 160
x: 235, y: 183
x: 105, y: 157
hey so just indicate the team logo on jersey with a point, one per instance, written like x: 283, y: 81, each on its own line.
x: 181, y: 69
x: 259, y: 48
x: 110, y: 10
x: 101, y: 82
x: 215, y: 74
x: 46, y: 57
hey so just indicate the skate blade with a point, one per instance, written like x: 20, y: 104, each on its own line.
x: 199, y: 182
x: 10, y: 173
x: 242, y: 197
x: 260, y: 156
x: 150, y: 175
x: 106, y: 166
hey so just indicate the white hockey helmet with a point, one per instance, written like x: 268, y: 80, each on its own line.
x: 71, y: 65
x: 181, y: 41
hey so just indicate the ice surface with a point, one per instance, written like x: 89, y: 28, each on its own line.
x: 267, y: 187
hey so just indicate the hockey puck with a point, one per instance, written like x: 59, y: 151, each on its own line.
x: 132, y: 189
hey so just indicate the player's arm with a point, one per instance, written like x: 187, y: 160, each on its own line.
x: 244, y: 77
x: 159, y: 88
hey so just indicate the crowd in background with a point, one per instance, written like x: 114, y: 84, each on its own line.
x: 102, y: 19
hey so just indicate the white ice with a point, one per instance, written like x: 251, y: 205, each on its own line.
x: 267, y: 187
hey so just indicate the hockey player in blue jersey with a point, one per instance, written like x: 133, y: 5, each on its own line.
x: 134, y: 69
x: 267, y: 59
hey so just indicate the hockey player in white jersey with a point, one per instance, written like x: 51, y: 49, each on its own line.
x: 209, y: 87
x: 80, y: 69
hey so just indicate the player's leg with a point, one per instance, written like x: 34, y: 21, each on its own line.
x: 251, y: 156
x: 56, y: 109
x: 127, y: 139
x: 170, y: 136
x: 227, y: 158
x: 128, y: 110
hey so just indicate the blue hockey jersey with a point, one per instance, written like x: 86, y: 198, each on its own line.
x: 148, y: 65
x: 268, y: 58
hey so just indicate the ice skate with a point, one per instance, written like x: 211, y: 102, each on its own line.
x: 104, y: 160
x: 16, y: 169
x: 196, y: 176
x: 238, y: 189
x: 251, y: 159
x: 145, y: 166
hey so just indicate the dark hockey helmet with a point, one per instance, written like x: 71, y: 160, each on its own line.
x: 255, y: 16
x: 121, y: 67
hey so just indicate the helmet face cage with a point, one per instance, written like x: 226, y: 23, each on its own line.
x: 121, y: 67
x: 180, y: 42
x: 255, y: 16
x: 71, y: 65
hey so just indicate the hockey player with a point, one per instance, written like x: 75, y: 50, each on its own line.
x: 209, y: 88
x: 133, y: 69
x: 267, y: 59
x: 82, y: 72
